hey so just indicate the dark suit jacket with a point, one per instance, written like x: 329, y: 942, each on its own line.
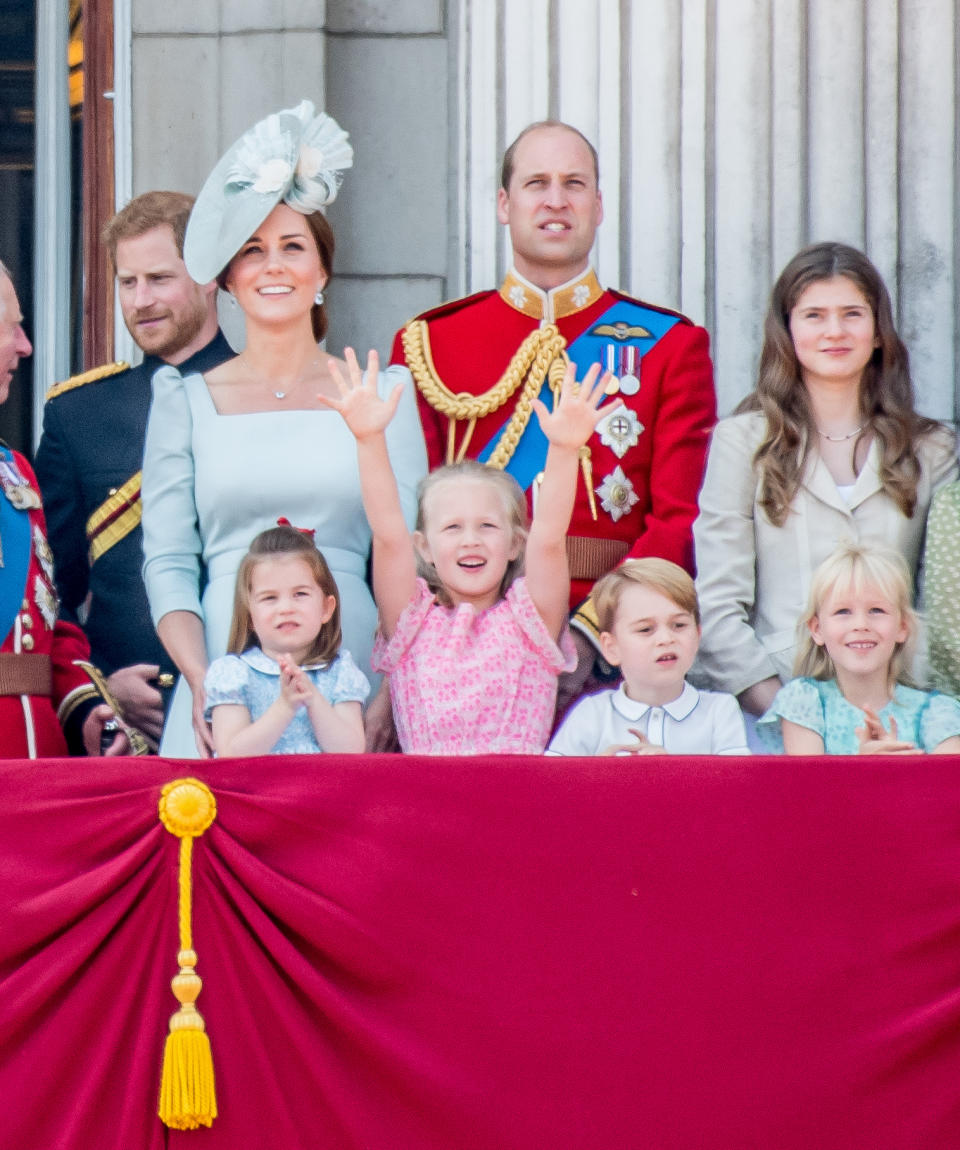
x: 92, y: 444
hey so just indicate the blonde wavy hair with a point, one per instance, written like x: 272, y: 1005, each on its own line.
x: 851, y: 569
x: 514, y: 504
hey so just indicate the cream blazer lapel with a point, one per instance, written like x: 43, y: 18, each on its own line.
x: 822, y: 486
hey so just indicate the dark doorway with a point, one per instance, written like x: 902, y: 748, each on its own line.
x: 17, y: 79
x: 89, y: 66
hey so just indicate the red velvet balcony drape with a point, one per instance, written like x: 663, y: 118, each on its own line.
x: 415, y: 954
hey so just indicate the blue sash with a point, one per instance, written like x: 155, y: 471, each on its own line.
x: 15, y: 542
x: 588, y: 348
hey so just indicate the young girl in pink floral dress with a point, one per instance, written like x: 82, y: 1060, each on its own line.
x: 473, y: 647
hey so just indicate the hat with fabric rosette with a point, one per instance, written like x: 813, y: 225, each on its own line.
x: 292, y: 155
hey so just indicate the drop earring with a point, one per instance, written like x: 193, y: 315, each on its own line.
x: 318, y: 298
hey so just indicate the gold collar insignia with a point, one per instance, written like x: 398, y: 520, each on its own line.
x: 552, y: 305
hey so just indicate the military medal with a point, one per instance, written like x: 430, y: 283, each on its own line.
x: 623, y: 363
x: 16, y: 488
x: 616, y: 493
x: 620, y: 430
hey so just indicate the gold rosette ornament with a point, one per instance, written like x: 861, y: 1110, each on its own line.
x: 187, y: 1095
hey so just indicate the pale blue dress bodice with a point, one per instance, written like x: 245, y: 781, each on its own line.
x: 924, y: 718
x: 212, y: 482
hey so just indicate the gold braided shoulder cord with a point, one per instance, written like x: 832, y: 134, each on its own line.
x: 541, y: 352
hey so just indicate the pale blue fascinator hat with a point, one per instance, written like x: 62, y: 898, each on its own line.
x: 293, y: 156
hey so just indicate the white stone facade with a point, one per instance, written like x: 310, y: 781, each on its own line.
x: 730, y: 133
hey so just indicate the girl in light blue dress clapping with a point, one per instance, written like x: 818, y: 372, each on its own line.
x: 287, y: 686
x: 853, y: 695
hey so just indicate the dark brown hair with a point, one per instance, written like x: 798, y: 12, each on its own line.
x: 151, y: 210
x: 506, y: 167
x: 323, y: 237
x: 886, y: 391
x: 270, y: 544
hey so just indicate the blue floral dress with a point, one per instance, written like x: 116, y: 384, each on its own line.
x: 252, y: 680
x: 924, y: 718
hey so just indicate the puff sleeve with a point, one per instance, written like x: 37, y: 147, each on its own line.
x: 171, y: 534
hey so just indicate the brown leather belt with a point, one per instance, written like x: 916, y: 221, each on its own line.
x: 26, y: 675
x: 590, y: 558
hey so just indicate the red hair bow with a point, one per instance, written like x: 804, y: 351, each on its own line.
x: 283, y: 521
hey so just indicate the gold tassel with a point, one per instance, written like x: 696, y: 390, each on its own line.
x: 187, y: 1095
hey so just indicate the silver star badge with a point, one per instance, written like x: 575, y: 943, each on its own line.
x: 620, y: 431
x: 616, y: 494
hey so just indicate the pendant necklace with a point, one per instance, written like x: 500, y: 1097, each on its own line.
x: 276, y: 392
x: 841, y: 438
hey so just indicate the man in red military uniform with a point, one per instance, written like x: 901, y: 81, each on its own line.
x: 478, y: 362
x: 43, y: 696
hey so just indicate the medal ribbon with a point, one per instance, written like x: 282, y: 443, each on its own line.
x: 586, y: 349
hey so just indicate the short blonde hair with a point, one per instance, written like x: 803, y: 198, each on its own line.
x: 514, y: 504
x: 658, y: 574
x: 852, y: 568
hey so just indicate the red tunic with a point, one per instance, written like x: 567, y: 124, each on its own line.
x: 472, y: 341
x: 29, y: 724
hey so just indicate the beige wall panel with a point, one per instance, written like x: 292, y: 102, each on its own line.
x: 928, y: 203
x: 176, y: 81
x: 742, y: 193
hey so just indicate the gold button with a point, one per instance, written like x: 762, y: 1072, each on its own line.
x: 27, y: 642
x: 26, y: 621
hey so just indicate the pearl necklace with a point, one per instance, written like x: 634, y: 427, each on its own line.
x: 842, y: 438
x: 290, y: 387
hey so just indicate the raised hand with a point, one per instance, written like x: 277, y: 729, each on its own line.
x: 577, y: 411
x: 874, y: 739
x: 364, y: 412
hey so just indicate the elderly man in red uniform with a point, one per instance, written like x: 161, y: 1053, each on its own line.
x: 42, y: 694
x: 478, y: 362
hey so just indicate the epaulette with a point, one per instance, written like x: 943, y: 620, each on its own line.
x: 650, y: 306
x: 451, y: 306
x: 90, y: 376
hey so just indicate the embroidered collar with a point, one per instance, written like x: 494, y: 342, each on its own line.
x: 256, y: 659
x: 568, y: 298
x: 677, y: 709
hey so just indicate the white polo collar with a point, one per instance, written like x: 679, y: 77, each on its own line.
x: 678, y: 709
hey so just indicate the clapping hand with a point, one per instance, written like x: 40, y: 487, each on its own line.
x: 874, y: 739
x: 577, y: 411
x: 295, y: 686
x: 642, y: 746
x: 364, y: 412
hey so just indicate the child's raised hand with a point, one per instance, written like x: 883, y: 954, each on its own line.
x: 364, y: 412
x: 295, y: 685
x: 577, y: 411
x: 874, y: 739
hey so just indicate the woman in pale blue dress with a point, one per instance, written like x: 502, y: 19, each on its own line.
x: 229, y: 453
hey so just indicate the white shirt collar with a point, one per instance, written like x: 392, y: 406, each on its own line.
x: 255, y: 658
x: 677, y: 709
